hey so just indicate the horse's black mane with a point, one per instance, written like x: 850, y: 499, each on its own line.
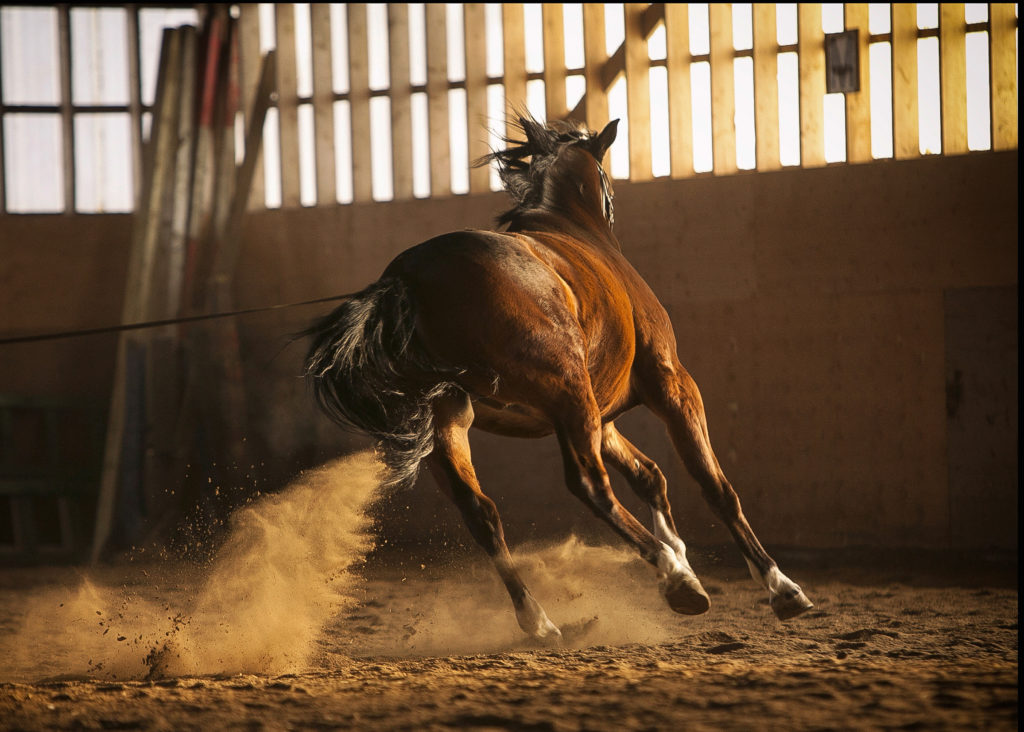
x: 522, y: 165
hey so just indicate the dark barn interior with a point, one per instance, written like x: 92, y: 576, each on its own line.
x: 852, y: 324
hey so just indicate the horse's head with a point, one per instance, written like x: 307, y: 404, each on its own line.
x: 557, y: 169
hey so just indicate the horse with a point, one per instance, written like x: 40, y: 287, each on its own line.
x: 538, y: 327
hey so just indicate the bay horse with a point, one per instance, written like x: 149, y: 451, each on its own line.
x: 542, y: 327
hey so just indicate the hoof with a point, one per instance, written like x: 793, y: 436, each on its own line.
x: 685, y: 595
x: 787, y: 605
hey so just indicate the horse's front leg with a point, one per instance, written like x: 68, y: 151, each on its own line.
x: 673, y: 396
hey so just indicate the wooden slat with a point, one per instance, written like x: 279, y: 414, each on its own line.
x: 66, y: 118
x: 515, y: 61
x: 249, y: 69
x: 812, y: 85
x: 723, y: 88
x: 134, y: 105
x: 638, y: 92
x: 905, y: 121
x: 595, y: 98
x: 401, y: 100
x: 476, y: 94
x: 359, y: 102
x: 766, y: 86
x: 1003, y: 69
x: 953, y: 77
x: 680, y: 100
x: 437, y: 100
x: 554, y: 61
x: 287, y: 109
x: 323, y: 104
x: 858, y: 104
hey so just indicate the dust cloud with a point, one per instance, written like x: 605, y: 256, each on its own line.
x: 282, y: 574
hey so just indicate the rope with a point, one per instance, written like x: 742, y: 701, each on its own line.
x: 6, y: 341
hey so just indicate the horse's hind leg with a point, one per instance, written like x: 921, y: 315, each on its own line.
x: 677, y: 401
x: 452, y: 467
x: 648, y: 482
x: 580, y: 437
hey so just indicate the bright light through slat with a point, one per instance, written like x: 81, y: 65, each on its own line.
x: 378, y: 71
x: 307, y: 156
x: 881, y: 99
x: 619, y: 152
x: 786, y: 24
x: 272, y: 159
x: 575, y: 87
x: 660, y: 162
x: 534, y: 37
x: 743, y: 81
x: 536, y: 105
x: 458, y: 144
x: 303, y: 51
x: 614, y: 28
x: 420, y: 144
x: 343, y: 151
x: 700, y: 43
x: 495, y: 127
x: 979, y: 116
x: 929, y: 115
x: 339, y: 48
x: 700, y: 92
x: 417, y: 44
x: 742, y: 26
x: 572, y: 29
x: 382, y: 179
x: 495, y: 43
x: 456, y: 45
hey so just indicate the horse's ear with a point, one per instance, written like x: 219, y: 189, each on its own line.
x: 603, y: 141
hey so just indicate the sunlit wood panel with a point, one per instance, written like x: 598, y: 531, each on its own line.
x: 905, y: 120
x: 554, y: 60
x: 723, y: 88
x: 359, y: 101
x: 323, y: 104
x: 766, y: 86
x: 1003, y: 60
x: 401, y: 100
x: 284, y: 19
x: 812, y: 85
x: 858, y: 103
x: 595, y: 55
x: 638, y: 92
x: 515, y: 60
x: 953, y: 76
x: 437, y: 100
x: 249, y: 73
x: 680, y: 99
x: 476, y: 95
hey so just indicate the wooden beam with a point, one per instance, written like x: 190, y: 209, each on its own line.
x: 66, y: 117
x: 323, y: 105
x: 1003, y: 69
x: 905, y: 119
x: 514, y: 44
x: 638, y: 92
x: 812, y: 85
x: 475, y: 26
x: 554, y: 61
x: 134, y: 105
x: 401, y: 101
x: 359, y: 103
x: 249, y: 70
x: 594, y: 104
x: 287, y: 107
x: 766, y: 86
x: 437, y: 100
x: 723, y: 88
x: 953, y: 77
x: 858, y: 103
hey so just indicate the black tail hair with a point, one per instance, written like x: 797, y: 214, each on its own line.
x: 367, y: 373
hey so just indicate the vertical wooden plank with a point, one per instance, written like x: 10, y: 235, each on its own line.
x: 638, y: 92
x: 1003, y: 70
x: 812, y: 85
x: 323, y: 104
x: 437, y: 100
x: 66, y: 116
x: 858, y: 104
x: 3, y: 194
x: 723, y: 88
x: 554, y: 61
x: 595, y: 56
x: 287, y: 108
x: 359, y: 102
x: 476, y: 94
x: 680, y: 99
x: 134, y: 102
x: 953, y: 77
x: 766, y: 86
x: 401, y: 101
x: 515, y: 61
x: 249, y: 70
x: 905, y: 120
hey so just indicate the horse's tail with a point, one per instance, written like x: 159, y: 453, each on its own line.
x: 368, y: 373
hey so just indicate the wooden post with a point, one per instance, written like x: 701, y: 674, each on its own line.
x: 723, y: 88
x: 249, y: 53
x: 437, y: 100
x: 1003, y: 70
x: 554, y: 61
x: 595, y: 98
x: 66, y: 117
x: 766, y: 86
x: 812, y: 85
x: 638, y: 92
x: 323, y: 105
x: 515, y: 61
x: 401, y: 100
x: 953, y: 77
x: 858, y: 103
x: 475, y: 26
x: 680, y: 95
x: 905, y: 134
x: 359, y: 102
x: 287, y: 107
